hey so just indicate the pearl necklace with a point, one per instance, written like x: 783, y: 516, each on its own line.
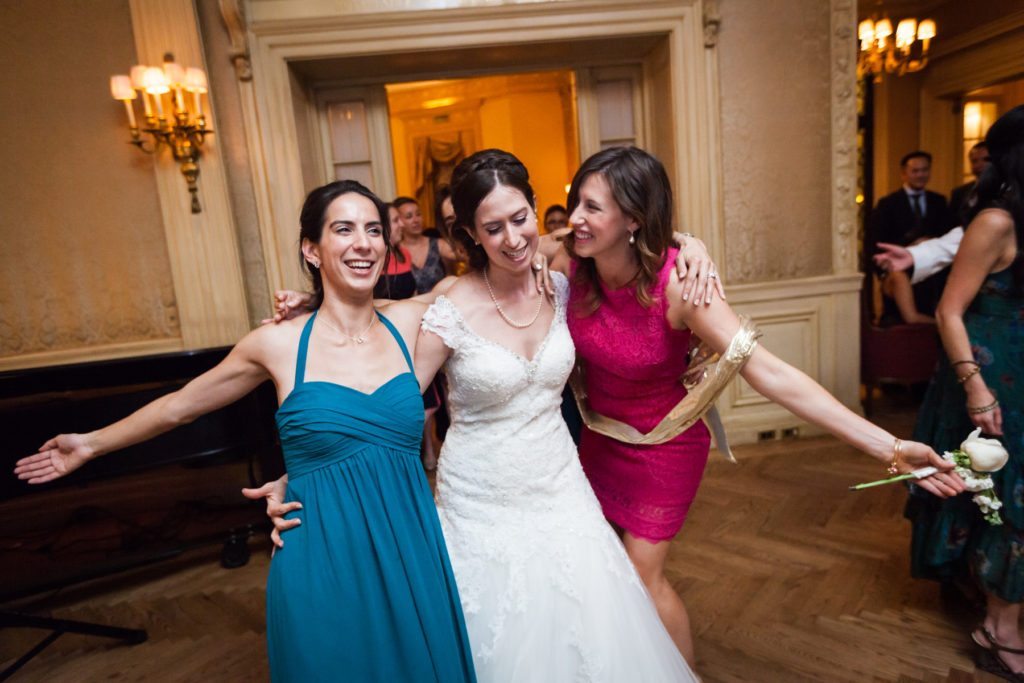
x: 359, y: 338
x: 504, y: 316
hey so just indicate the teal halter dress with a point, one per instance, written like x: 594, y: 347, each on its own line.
x: 363, y: 589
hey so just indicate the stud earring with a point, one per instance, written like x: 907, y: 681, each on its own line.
x: 632, y: 238
x: 315, y: 264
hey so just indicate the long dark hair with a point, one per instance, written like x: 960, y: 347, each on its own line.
x: 1001, y: 184
x: 643, y: 192
x: 311, y: 222
x: 472, y: 180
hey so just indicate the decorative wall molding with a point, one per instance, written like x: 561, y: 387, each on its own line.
x: 202, y: 247
x: 712, y: 23
x: 91, y: 353
x: 844, y: 136
x: 234, y: 20
x: 278, y: 39
x: 806, y: 323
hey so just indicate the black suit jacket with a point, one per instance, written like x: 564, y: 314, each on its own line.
x: 958, y: 204
x: 893, y: 219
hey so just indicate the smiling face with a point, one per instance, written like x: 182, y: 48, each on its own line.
x: 411, y: 218
x: 505, y: 225
x: 916, y: 172
x: 351, y: 250
x: 598, y: 223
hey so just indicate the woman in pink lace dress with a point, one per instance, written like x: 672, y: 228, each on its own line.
x: 632, y: 331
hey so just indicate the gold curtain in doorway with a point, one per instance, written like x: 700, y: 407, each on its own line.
x: 435, y: 157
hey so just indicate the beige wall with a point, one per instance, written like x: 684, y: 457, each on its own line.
x: 776, y: 138
x: 84, y: 261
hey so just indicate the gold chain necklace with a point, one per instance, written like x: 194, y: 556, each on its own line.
x: 504, y: 316
x: 359, y: 338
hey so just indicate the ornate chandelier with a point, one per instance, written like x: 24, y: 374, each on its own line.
x: 171, y: 117
x: 881, y: 50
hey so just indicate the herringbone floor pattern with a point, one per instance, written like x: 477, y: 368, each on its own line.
x: 787, y: 577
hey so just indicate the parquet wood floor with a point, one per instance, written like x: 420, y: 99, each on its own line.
x: 787, y: 577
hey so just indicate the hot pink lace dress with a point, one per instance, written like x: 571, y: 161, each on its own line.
x: 633, y: 362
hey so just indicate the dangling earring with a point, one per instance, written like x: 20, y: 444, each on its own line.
x: 632, y: 238
x: 315, y: 264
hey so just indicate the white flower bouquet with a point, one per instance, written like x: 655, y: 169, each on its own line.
x: 974, y: 462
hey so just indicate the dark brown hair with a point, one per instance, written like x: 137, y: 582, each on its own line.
x: 643, y: 192
x: 1001, y: 184
x: 311, y: 222
x: 472, y: 180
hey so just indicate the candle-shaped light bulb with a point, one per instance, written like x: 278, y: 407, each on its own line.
x: 121, y: 89
x: 905, y: 32
x: 138, y: 74
x: 156, y: 85
x: 195, y: 83
x: 866, y: 31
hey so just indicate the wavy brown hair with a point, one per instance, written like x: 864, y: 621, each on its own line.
x: 643, y: 192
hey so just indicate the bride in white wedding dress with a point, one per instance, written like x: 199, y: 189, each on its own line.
x: 548, y: 591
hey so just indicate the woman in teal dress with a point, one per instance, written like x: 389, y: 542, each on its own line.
x: 364, y: 590
x: 978, y: 384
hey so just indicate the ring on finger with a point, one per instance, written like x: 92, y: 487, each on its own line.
x: 713, y: 274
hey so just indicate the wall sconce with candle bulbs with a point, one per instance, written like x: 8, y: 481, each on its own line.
x: 172, y: 102
x: 881, y: 50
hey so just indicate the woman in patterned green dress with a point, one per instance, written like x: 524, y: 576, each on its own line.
x: 981, y: 320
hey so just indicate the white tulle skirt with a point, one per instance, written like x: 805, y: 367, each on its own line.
x: 552, y: 597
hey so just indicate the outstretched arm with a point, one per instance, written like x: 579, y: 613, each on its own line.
x: 775, y: 379
x: 234, y: 377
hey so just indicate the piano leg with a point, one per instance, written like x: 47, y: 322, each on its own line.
x: 59, y: 627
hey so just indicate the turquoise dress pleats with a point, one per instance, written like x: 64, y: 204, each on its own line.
x: 363, y: 589
x: 950, y: 538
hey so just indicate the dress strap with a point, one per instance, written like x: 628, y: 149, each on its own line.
x: 398, y: 338
x: 300, y: 361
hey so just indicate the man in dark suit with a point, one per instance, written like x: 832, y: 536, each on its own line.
x: 978, y: 158
x: 911, y: 212
x: 904, y: 217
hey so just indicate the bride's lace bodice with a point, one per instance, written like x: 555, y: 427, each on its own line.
x: 507, y: 439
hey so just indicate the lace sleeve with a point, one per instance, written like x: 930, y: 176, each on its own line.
x: 444, y: 320
x: 561, y: 283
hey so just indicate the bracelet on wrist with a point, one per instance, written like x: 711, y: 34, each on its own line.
x: 965, y: 362
x: 897, y: 451
x: 974, y: 371
x: 983, y: 409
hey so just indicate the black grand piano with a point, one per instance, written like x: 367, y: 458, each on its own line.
x: 137, y: 506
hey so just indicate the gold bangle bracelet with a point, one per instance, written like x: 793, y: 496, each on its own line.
x: 974, y: 371
x: 983, y: 409
x: 897, y: 451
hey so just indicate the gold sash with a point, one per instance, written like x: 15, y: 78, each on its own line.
x: 704, y: 379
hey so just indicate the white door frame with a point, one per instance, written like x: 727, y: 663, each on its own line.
x: 274, y: 43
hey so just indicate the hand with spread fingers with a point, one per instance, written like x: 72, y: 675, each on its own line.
x: 56, y: 458
x: 274, y: 492
x: 893, y: 257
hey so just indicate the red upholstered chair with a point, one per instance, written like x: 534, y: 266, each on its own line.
x: 902, y: 354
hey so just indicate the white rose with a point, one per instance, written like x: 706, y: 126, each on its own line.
x: 987, y: 455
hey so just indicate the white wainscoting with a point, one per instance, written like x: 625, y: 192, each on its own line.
x: 813, y: 324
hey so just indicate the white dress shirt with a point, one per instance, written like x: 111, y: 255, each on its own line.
x: 933, y: 255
